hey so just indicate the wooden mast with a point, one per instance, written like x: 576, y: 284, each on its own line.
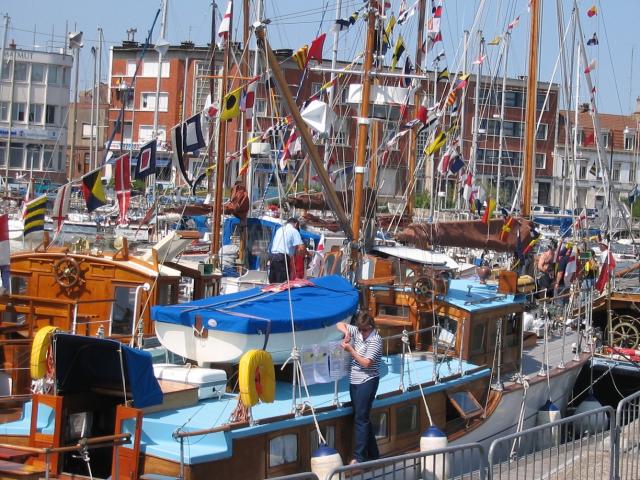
x: 363, y: 126
x: 305, y: 135
x: 530, y: 119
x: 413, y: 137
x: 222, y: 145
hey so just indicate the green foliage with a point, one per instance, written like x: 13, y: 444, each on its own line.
x: 137, y: 185
x: 423, y: 200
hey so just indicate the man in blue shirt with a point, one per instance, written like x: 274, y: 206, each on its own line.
x: 286, y: 242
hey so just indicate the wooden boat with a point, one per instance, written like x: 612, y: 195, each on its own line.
x: 86, y: 290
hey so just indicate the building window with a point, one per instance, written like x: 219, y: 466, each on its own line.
x: 50, y: 114
x: 37, y: 73
x: 201, y: 85
x: 53, y: 76
x: 633, y: 168
x: 6, y: 70
x: 541, y: 160
x: 3, y: 154
x: 582, y: 172
x: 35, y: 113
x: 629, y: 140
x: 128, y: 132
x: 21, y: 73
x: 87, y: 161
x: 87, y: 130
x: 65, y: 76
x: 148, y: 101
x: 260, y: 107
x: 131, y: 69
x: 341, y: 131
x: 19, y: 112
x: 604, y: 138
x: 47, y: 158
x: 315, y: 88
x: 615, y: 173
x: 283, y: 449
x: 33, y: 156
x: 145, y: 133
x: 150, y: 69
x: 4, y: 111
x: 16, y: 156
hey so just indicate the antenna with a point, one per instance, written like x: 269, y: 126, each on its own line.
x: 131, y: 34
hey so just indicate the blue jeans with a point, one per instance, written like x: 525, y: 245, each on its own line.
x: 362, y: 396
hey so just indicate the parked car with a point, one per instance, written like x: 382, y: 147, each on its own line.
x: 545, y: 210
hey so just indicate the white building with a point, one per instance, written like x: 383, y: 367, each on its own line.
x: 34, y: 104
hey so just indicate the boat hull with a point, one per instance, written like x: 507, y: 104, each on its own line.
x: 219, y: 346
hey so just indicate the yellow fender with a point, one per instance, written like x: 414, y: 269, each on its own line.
x: 39, y: 349
x: 256, y: 378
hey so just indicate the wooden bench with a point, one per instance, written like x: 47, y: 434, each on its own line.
x: 12, y: 470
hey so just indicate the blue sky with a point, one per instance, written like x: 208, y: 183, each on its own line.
x: 295, y: 22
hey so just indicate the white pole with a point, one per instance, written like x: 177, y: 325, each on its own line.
x: 4, y: 44
x: 93, y: 160
x: 507, y: 38
x: 163, y: 31
x: 334, y: 62
x: 98, y: 90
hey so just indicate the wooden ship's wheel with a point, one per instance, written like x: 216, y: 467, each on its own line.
x: 67, y: 272
x: 423, y: 289
x: 625, y: 331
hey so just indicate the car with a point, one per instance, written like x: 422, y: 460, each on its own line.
x: 545, y: 210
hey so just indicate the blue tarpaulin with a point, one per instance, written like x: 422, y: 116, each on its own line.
x: 85, y: 363
x: 330, y: 300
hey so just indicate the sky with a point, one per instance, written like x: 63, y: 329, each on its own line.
x: 293, y: 23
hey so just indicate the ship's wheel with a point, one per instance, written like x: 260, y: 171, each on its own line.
x: 625, y: 332
x: 67, y: 272
x: 423, y: 289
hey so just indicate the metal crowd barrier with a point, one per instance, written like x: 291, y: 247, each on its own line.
x: 298, y: 476
x: 627, y: 458
x: 579, y: 447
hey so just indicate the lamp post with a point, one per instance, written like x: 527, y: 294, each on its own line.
x: 75, y: 44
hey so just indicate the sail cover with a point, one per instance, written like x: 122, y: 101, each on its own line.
x: 329, y: 300
x: 468, y: 234
x: 86, y: 363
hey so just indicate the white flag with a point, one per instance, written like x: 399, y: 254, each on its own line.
x: 225, y: 24
x: 61, y: 206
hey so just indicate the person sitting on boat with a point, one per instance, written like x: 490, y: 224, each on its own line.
x: 545, y: 270
x: 365, y: 346
x: 560, y: 286
x: 286, y: 243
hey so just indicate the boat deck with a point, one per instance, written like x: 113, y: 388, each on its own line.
x: 559, y: 351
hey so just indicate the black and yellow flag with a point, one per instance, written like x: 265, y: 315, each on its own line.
x: 398, y: 50
x: 300, y: 57
x: 34, y: 215
x: 93, y: 191
x: 231, y: 104
x: 443, y: 75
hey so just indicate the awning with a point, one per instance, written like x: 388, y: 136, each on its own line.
x: 87, y: 363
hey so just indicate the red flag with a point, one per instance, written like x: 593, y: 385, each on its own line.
x: 592, y: 12
x: 589, y: 140
x: 123, y: 186
x: 225, y: 24
x: 61, y: 206
x: 491, y: 206
x: 315, y: 50
x: 605, y: 272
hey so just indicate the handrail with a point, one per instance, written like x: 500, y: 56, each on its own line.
x: 60, y: 301
x: 180, y: 434
x: 119, y: 439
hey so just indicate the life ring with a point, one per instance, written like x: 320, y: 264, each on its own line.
x: 256, y: 378
x: 39, y: 364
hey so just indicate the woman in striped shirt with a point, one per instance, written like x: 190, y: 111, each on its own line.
x: 365, y: 346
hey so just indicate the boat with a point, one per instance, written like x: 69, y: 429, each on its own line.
x: 220, y: 329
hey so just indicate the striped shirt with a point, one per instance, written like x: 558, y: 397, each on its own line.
x: 369, y: 348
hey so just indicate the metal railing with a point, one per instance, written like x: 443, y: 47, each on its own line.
x: 460, y: 462
x: 627, y: 453
x: 297, y: 476
x: 576, y: 447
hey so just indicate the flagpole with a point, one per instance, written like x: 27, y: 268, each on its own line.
x: 334, y: 63
x: 256, y: 63
x: 417, y: 100
x: 222, y: 145
x: 160, y: 46
x: 507, y: 38
x: 463, y: 109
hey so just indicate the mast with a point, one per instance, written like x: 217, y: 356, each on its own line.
x: 307, y: 140
x: 74, y: 125
x: 212, y: 91
x: 413, y: 136
x: 334, y: 63
x: 507, y: 38
x: 463, y: 108
x: 363, y: 124
x: 244, y: 70
x: 222, y: 145
x: 161, y: 47
x: 92, y: 159
x: 98, y: 91
x: 530, y: 115
x: 256, y: 63
x: 2, y: 63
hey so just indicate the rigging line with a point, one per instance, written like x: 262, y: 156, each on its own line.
x: 304, y: 13
x: 615, y: 81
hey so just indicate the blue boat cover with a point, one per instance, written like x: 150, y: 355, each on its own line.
x: 83, y: 363
x: 330, y: 300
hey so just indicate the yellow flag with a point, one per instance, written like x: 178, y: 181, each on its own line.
x: 437, y: 144
x: 300, y: 57
x: 495, y: 41
x: 231, y: 104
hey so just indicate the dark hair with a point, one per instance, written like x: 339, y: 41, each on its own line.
x: 363, y: 319
x: 294, y: 221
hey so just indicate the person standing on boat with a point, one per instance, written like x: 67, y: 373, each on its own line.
x: 545, y: 270
x: 286, y: 243
x: 365, y: 346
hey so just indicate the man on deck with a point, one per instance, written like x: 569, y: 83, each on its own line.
x: 286, y: 243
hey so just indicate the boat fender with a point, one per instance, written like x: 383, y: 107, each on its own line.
x: 434, y: 467
x: 40, y: 365
x: 324, y: 460
x: 548, y: 413
x: 256, y: 378
x: 593, y: 423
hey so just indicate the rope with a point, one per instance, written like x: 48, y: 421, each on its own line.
x: 520, y: 424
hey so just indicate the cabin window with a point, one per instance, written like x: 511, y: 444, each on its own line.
x: 122, y: 310
x: 447, y: 333
x: 329, y: 434
x: 166, y: 294
x: 406, y: 419
x: 79, y: 425
x: 477, y: 338
x: 283, y: 449
x: 465, y: 404
x: 380, y: 423
x: 19, y: 285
